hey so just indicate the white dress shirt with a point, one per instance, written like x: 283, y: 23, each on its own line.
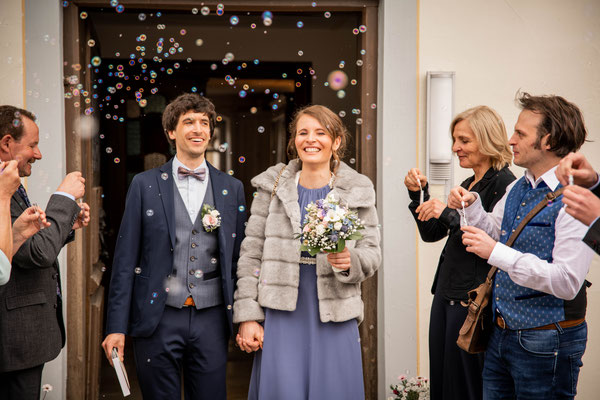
x: 571, y: 257
x: 4, y: 268
x: 192, y: 190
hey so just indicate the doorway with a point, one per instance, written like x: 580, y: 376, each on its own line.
x: 134, y: 61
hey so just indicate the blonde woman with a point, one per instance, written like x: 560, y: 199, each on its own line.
x: 301, y: 313
x: 481, y: 144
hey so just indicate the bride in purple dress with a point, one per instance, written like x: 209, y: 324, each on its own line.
x: 301, y: 313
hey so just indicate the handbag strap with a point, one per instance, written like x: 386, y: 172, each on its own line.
x: 539, y: 207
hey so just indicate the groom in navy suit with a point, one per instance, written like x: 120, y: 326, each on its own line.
x: 174, y: 269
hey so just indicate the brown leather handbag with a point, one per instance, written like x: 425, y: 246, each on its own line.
x: 476, y: 330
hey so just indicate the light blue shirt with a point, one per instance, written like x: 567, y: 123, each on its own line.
x: 192, y: 190
x: 4, y: 268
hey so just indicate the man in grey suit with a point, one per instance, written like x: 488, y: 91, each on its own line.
x: 32, y: 330
x: 582, y: 198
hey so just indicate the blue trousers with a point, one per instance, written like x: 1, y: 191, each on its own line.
x: 186, y: 340
x: 533, y: 364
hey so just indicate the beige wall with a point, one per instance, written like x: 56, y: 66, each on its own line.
x: 11, y: 52
x: 497, y: 47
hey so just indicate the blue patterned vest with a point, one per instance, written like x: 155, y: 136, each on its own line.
x: 522, y: 307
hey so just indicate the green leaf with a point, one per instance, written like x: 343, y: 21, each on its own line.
x: 341, y: 245
x: 313, y: 251
x: 355, y: 236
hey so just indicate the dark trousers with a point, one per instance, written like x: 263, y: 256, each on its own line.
x: 534, y: 364
x: 186, y: 340
x: 24, y: 384
x: 454, y: 373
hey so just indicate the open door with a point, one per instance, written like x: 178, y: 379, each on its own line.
x: 111, y: 140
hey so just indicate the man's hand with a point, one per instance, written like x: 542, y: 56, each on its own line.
x: 576, y: 164
x: 250, y: 336
x: 459, y: 194
x: 73, y: 184
x: 83, y: 219
x: 9, y: 179
x: 412, y: 179
x: 478, y: 242
x: 111, y: 341
x: 28, y: 224
x: 340, y: 260
x: 581, y: 203
x: 430, y: 209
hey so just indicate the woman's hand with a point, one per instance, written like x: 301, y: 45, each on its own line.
x: 340, y: 260
x: 430, y: 209
x: 412, y: 179
x: 459, y: 194
x: 250, y: 336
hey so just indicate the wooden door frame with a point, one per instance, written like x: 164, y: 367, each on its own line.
x: 84, y: 272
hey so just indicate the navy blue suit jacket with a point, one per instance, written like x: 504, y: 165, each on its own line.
x: 146, y: 240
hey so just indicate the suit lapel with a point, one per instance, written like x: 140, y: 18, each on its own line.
x: 218, y: 185
x: 166, y: 196
x: 18, y: 202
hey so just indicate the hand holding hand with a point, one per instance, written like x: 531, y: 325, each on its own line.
x: 250, y: 336
x: 478, y: 242
x: 340, y: 260
x: 111, y: 341
x: 83, y: 219
x: 73, y: 184
x: 582, y: 204
x: 459, y: 194
x: 9, y: 179
x: 430, y: 209
x: 412, y: 179
x: 577, y: 165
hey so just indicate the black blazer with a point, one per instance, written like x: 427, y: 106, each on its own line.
x: 32, y: 331
x: 459, y: 271
x: 592, y: 237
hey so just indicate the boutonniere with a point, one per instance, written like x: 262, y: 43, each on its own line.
x: 211, y: 218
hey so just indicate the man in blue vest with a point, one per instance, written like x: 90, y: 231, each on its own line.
x: 175, y: 263
x: 539, y: 291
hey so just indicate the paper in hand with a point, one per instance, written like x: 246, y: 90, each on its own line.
x: 121, y: 373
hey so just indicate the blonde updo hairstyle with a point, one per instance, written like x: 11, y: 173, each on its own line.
x: 333, y: 126
x: 490, y: 132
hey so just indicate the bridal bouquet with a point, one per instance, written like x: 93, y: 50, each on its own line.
x: 327, y: 225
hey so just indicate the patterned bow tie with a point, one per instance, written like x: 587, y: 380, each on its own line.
x: 184, y: 172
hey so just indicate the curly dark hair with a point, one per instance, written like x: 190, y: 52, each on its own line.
x: 11, y: 121
x: 181, y: 105
x: 561, y: 119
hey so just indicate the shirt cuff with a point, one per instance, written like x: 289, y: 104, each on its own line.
x: 70, y: 196
x: 594, y: 221
x: 503, y: 257
x: 595, y: 185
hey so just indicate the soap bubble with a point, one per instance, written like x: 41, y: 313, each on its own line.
x: 337, y: 80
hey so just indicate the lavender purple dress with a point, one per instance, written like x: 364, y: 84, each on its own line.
x: 303, y: 358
